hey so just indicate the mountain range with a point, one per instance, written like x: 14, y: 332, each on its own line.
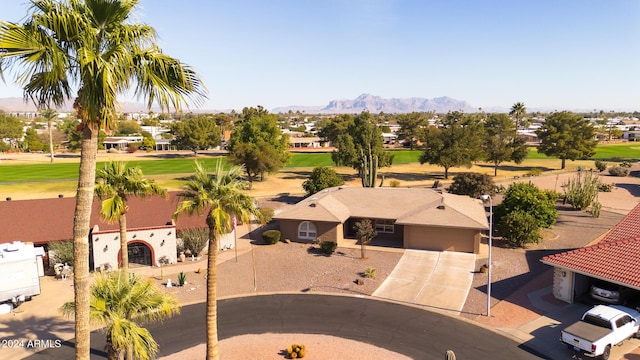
x: 364, y: 102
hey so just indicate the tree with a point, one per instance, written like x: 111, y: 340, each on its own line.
x: 31, y: 141
x: 322, y: 177
x: 96, y: 48
x: 49, y: 114
x: 114, y: 184
x: 195, y: 133
x: 526, y: 197
x: 258, y: 144
x: 455, y: 141
x: 128, y: 127
x: 567, y: 136
x: 412, y: 125
x: 121, y: 302
x: 10, y: 129
x: 364, y: 232
x: 500, y: 143
x: 472, y: 184
x: 359, y: 144
x: 220, y: 196
x: 519, y: 111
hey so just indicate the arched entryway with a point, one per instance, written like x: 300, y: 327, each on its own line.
x: 140, y: 253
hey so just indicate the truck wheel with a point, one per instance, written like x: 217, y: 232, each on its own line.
x: 606, y: 353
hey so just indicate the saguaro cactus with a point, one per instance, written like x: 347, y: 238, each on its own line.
x: 368, y: 168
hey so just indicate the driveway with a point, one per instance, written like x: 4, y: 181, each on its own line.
x: 435, y: 279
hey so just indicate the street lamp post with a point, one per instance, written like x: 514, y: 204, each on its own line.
x: 484, y: 198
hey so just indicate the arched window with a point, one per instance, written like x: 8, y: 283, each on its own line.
x: 307, y: 231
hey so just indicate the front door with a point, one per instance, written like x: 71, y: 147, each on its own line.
x: 139, y: 253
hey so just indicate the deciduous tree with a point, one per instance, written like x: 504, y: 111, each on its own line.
x: 566, y: 135
x: 199, y: 132
x: 412, y: 126
x: 500, y: 142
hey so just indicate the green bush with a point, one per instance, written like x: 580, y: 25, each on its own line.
x: 625, y: 164
x: 328, y: 247
x: 582, y: 190
x: 194, y: 240
x: 472, y: 184
x: 271, y: 237
x: 526, y: 197
x: 322, y: 177
x: 394, y: 183
x: 519, y: 228
x: 265, y: 214
x: 618, y: 171
x: 601, y: 165
x: 60, y: 252
x: 182, y: 278
x: 605, y: 187
x: 370, y: 273
x: 595, y: 209
x: 534, y: 172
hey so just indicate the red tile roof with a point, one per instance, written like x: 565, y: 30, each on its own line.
x: 616, y: 257
x: 617, y: 261
x: 44, y: 220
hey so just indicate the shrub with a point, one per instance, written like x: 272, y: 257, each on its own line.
x: 581, y: 191
x: 60, y: 252
x: 601, y: 165
x: 132, y: 148
x: 265, y: 214
x: 625, y: 164
x: 394, y: 183
x: 534, y: 172
x: 328, y: 247
x: 519, y: 228
x: 595, y: 209
x: 271, y: 237
x: 194, y: 240
x: 322, y: 177
x: 526, y: 197
x: 370, y: 273
x: 605, y: 187
x: 618, y: 171
x: 296, y: 351
x: 472, y: 184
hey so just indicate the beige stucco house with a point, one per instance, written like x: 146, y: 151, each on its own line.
x: 413, y: 218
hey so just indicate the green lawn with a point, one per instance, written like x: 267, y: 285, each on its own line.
x: 69, y: 171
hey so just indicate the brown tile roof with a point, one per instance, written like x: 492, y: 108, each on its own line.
x: 44, y: 220
x: 408, y: 206
x: 616, y: 257
x: 617, y: 261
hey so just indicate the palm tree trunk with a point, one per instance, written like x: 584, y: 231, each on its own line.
x: 124, y: 251
x: 81, y: 225
x: 213, y: 352
x: 50, y: 140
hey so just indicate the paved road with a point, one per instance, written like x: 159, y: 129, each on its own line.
x: 411, y: 331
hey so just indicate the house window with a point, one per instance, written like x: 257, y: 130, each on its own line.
x: 307, y: 231
x: 385, y: 226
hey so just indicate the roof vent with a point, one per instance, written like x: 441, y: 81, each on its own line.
x: 440, y: 207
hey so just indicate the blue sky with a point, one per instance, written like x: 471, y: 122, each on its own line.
x: 560, y: 54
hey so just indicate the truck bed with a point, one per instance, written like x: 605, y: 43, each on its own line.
x: 586, y: 331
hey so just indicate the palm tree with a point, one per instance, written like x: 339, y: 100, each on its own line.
x: 115, y: 182
x: 95, y: 46
x: 220, y: 196
x: 49, y: 114
x: 121, y: 302
x: 518, y: 111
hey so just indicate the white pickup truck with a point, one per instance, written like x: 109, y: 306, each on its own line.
x: 600, y: 328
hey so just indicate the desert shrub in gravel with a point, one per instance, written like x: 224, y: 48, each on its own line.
x: 271, y: 237
x: 534, y: 172
x: 194, y: 240
x: 519, y: 228
x: 602, y: 187
x: 328, y: 247
x: 370, y: 273
x: 394, y: 183
x: 618, y: 171
x: 581, y: 190
x: 526, y: 197
x: 296, y: 351
x: 625, y: 164
x: 601, y: 165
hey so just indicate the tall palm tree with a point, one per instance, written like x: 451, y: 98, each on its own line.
x: 96, y: 48
x: 121, y: 302
x: 49, y: 114
x: 220, y: 196
x: 518, y: 111
x: 114, y: 183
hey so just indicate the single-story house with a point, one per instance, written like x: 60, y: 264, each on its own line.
x: 615, y: 259
x: 414, y: 218
x: 151, y: 234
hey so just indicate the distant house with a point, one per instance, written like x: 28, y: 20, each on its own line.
x: 615, y: 259
x: 413, y: 218
x: 120, y: 142
x: 305, y: 142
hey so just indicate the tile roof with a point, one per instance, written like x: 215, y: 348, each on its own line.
x: 44, y: 220
x: 616, y: 257
x: 408, y: 206
x: 617, y: 261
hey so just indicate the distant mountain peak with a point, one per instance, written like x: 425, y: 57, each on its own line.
x: 376, y: 104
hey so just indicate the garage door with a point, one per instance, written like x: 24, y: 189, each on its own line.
x: 439, y: 239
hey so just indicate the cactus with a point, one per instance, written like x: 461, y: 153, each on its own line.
x: 182, y: 277
x: 450, y: 355
x: 368, y: 168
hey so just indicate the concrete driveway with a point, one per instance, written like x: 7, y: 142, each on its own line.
x: 431, y: 278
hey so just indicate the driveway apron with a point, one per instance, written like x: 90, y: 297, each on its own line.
x: 435, y: 279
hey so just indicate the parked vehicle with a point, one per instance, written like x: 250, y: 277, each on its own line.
x: 19, y: 272
x: 600, y: 329
x: 609, y: 293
